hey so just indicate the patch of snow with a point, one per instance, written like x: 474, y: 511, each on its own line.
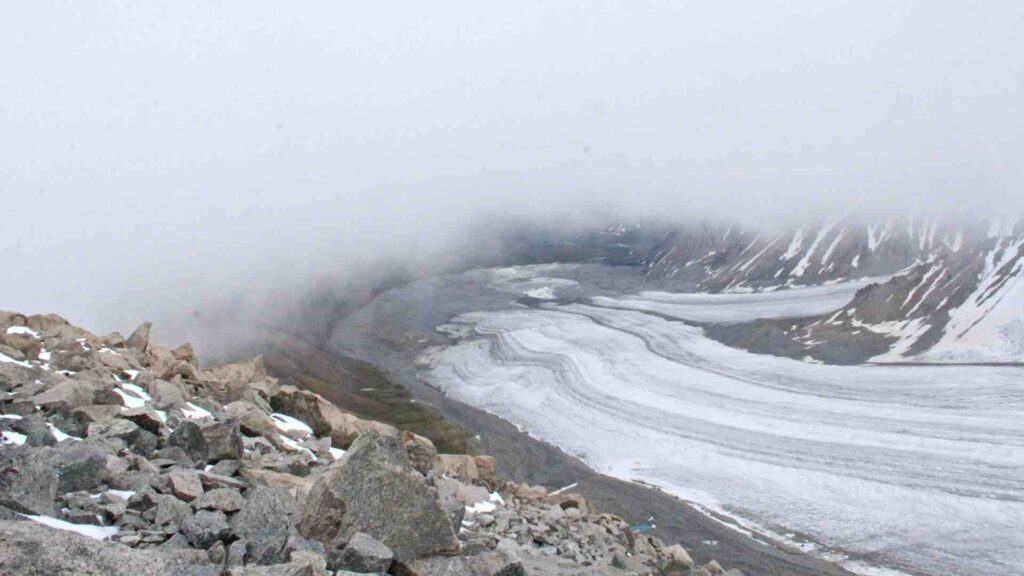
x: 295, y: 446
x: 12, y: 438
x: 23, y: 330
x: 795, y: 244
x: 336, y: 453
x: 481, y: 508
x: 287, y: 423
x: 10, y: 417
x: 130, y: 400
x: 138, y: 391
x: 193, y: 412
x: 562, y: 489
x: 60, y: 435
x: 95, y: 532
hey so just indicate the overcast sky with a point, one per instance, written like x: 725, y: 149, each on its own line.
x: 188, y: 147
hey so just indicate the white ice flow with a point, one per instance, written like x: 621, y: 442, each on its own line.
x: 723, y: 308
x: 920, y: 467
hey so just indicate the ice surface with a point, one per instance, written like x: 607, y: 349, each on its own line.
x: 732, y: 308
x: 917, y: 468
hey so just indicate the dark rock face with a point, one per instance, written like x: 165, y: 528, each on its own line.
x: 265, y: 521
x: 383, y: 496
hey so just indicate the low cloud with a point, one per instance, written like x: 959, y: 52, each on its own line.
x: 163, y: 159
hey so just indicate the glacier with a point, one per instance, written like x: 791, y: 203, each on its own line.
x: 885, y: 469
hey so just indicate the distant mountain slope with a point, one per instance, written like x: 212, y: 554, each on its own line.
x: 953, y: 292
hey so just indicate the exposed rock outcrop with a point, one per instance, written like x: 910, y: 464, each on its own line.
x: 120, y: 457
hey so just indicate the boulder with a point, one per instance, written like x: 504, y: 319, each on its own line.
x: 325, y: 418
x: 35, y: 429
x: 226, y: 500
x: 31, y: 549
x: 374, y: 489
x: 677, y: 561
x: 362, y: 554
x: 28, y: 484
x: 266, y: 521
x: 421, y: 451
x: 185, y: 353
x: 166, y: 394
x: 80, y: 466
x: 223, y: 441
x: 486, y: 467
x: 185, y: 484
x: 139, y: 340
x: 252, y: 420
x: 169, y: 510
x: 65, y: 396
x: 205, y: 528
x: 189, y: 437
x: 459, y: 466
x: 297, y: 486
x: 145, y: 418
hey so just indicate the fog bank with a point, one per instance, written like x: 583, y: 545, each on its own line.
x: 162, y: 158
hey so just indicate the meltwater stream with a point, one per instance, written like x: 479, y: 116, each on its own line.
x: 908, y: 469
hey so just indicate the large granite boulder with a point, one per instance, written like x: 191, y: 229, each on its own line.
x: 374, y: 489
x: 265, y: 522
x: 28, y: 484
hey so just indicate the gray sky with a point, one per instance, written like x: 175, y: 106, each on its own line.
x: 182, y: 149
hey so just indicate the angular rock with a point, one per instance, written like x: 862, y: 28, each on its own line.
x: 166, y: 394
x: 139, y: 339
x: 205, y: 528
x: 144, y: 417
x: 80, y: 466
x: 224, y: 499
x: 65, y: 396
x: 185, y: 484
x: 421, y: 451
x: 252, y: 420
x: 677, y: 560
x: 28, y: 484
x: 266, y: 521
x: 189, y: 437
x: 223, y: 441
x: 374, y: 489
x: 459, y: 466
x: 363, y: 553
x: 31, y: 549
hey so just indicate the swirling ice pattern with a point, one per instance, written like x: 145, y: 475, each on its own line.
x: 919, y: 469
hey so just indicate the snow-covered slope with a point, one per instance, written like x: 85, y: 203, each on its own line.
x: 952, y: 293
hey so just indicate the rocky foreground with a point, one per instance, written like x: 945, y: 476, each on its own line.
x: 122, y: 457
